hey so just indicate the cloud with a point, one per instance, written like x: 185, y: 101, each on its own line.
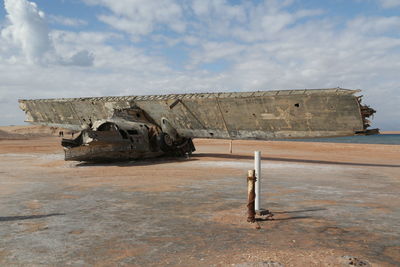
x: 256, y: 45
x: 220, y: 8
x: 140, y: 17
x: 375, y: 25
x: 212, y: 51
x: 246, y: 21
x: 72, y: 22
x: 389, y: 3
x: 28, y: 30
x: 82, y: 58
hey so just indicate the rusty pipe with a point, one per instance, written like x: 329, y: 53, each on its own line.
x: 251, y: 196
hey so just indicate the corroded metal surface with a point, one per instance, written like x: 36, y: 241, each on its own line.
x: 251, y: 195
x: 245, y: 115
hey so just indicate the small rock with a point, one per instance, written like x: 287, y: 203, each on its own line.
x: 354, y: 261
x: 259, y: 264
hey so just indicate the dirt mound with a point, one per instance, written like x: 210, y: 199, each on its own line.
x: 11, y: 136
x: 29, y: 131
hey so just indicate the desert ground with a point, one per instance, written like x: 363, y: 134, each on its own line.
x: 333, y: 205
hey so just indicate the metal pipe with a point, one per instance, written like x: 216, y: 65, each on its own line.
x: 257, y: 168
x: 251, y: 212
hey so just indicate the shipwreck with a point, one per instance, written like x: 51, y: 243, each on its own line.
x: 132, y: 127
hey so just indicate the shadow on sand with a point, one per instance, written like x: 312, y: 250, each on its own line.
x: 233, y: 156
x: 139, y: 162
x: 28, y: 217
x: 299, y: 211
x: 283, y: 219
x: 194, y: 157
x: 290, y: 218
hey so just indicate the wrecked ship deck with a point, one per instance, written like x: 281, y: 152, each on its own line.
x: 259, y: 115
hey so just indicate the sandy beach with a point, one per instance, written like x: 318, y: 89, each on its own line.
x: 333, y: 204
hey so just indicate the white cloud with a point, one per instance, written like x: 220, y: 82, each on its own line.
x: 220, y: 8
x: 83, y: 39
x: 82, y: 58
x: 375, y: 25
x: 140, y: 17
x: 212, y: 51
x: 246, y: 21
x: 113, y: 59
x: 389, y: 3
x: 73, y: 22
x: 28, y: 30
x: 265, y: 45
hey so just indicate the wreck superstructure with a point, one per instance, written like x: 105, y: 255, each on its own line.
x: 149, y: 125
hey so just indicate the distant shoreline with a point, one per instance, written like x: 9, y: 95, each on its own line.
x: 390, y: 132
x: 43, y: 130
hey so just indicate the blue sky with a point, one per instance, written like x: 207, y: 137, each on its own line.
x: 69, y: 48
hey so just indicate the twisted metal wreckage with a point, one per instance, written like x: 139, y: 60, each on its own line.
x: 131, y: 127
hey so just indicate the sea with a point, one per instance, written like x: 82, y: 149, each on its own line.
x: 384, y: 139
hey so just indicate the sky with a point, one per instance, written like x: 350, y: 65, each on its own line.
x: 76, y: 48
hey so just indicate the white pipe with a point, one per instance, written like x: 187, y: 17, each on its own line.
x: 257, y: 168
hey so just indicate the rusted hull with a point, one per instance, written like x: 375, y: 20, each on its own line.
x: 110, y: 142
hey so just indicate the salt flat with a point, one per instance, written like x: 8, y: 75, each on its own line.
x: 329, y: 200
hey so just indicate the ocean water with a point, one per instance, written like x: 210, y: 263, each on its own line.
x: 385, y: 139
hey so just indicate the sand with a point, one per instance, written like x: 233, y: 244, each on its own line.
x: 331, y: 202
x: 29, y: 131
